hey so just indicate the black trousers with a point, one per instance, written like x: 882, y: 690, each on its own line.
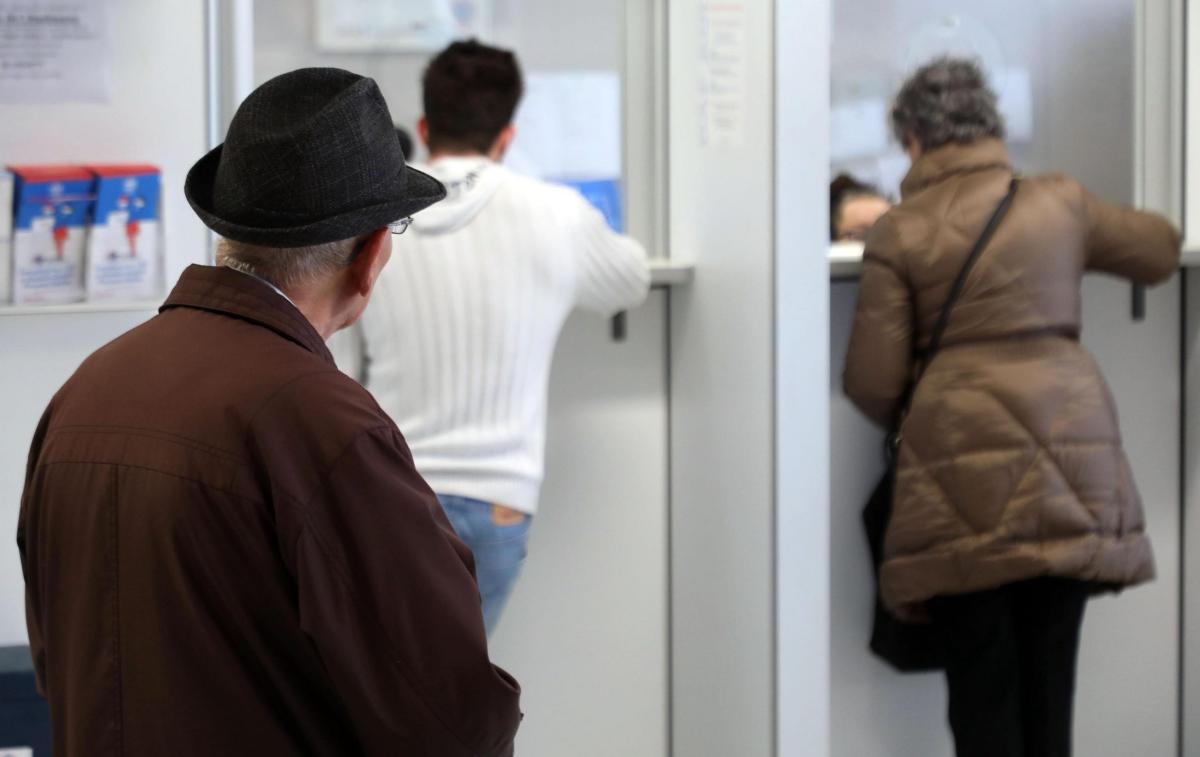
x: 1010, y: 667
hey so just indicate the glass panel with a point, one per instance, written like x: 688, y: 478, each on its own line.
x: 1063, y: 72
x: 570, y: 120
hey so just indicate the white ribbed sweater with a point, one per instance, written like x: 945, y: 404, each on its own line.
x: 457, y: 342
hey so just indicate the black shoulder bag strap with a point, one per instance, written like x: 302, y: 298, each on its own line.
x: 914, y: 647
x: 939, y: 329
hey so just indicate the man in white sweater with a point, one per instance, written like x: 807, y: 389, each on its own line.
x: 458, y: 343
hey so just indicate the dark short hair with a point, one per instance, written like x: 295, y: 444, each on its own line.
x: 842, y: 190
x: 471, y: 92
x: 947, y: 100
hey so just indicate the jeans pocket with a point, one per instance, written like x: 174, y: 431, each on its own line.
x: 500, y: 536
x: 503, y: 549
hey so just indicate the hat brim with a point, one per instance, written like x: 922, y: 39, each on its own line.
x: 414, y: 191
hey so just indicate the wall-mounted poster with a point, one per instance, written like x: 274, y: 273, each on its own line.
x: 417, y: 26
x: 57, y: 51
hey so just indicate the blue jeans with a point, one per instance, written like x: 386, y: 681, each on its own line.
x: 499, y: 550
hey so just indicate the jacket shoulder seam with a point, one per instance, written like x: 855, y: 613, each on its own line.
x: 163, y: 472
x: 149, y: 433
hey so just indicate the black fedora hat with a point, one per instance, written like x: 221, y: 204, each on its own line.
x: 311, y: 156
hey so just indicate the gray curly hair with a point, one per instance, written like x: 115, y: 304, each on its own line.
x: 946, y: 101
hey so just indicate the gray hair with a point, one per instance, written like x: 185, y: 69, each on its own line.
x: 946, y: 101
x: 287, y: 267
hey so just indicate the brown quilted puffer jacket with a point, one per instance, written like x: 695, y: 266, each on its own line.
x: 1011, y: 465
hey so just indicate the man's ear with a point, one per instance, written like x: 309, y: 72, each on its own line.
x: 503, y: 141
x: 423, y: 131
x: 369, y: 262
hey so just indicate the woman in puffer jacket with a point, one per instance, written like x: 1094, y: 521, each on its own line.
x: 1014, y: 500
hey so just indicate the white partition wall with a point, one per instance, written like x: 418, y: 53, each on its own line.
x: 722, y: 382
x: 1190, y: 543
x: 158, y: 114
x: 802, y: 452
x: 586, y: 629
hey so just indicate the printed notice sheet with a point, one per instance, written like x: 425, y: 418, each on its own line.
x: 722, y: 73
x: 55, y: 51
x: 417, y: 26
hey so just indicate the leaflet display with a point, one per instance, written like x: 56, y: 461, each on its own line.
x: 123, y: 255
x: 80, y: 232
x: 6, y: 261
x: 51, y: 210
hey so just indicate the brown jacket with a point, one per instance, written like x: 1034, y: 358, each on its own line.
x: 1011, y: 465
x: 227, y: 551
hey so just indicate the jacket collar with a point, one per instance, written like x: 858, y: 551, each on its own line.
x: 229, y: 292
x: 952, y: 160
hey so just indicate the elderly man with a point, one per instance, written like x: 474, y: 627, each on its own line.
x: 227, y: 549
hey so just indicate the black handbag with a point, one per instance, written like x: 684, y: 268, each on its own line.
x: 914, y: 647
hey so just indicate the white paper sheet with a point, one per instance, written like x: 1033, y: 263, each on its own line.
x: 408, y: 26
x: 891, y: 168
x: 1014, y: 94
x: 55, y: 51
x: 569, y: 126
x: 858, y: 129
x: 722, y: 74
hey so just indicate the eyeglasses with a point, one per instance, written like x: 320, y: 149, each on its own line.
x: 396, y: 227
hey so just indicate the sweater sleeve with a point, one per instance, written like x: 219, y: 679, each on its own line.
x: 387, y: 594
x: 613, y: 273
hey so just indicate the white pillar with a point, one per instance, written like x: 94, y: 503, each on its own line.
x: 802, y: 522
